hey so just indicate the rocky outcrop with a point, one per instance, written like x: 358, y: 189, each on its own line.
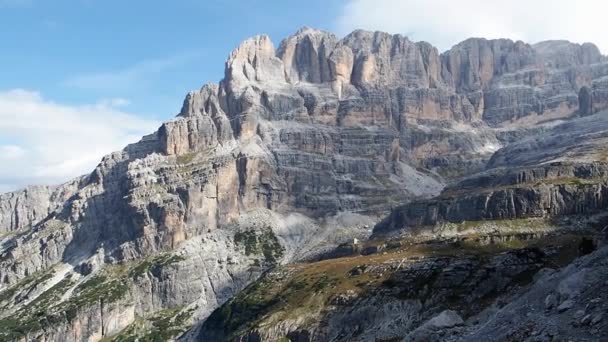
x: 585, y: 101
x: 201, y: 125
x: 576, y: 141
x: 556, y: 172
x: 320, y: 128
x: 24, y: 208
x: 306, y: 56
x: 381, y: 59
x: 564, y: 54
x: 504, y: 204
x: 580, y: 297
x: 473, y: 64
x: 407, y: 296
x: 509, y: 296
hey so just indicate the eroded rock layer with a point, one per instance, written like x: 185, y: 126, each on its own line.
x: 295, y: 151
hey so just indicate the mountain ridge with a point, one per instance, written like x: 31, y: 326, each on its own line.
x: 545, y: 45
x: 296, y: 151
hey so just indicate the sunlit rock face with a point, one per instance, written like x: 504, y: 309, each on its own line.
x: 294, y: 139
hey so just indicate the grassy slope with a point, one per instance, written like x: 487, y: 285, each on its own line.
x: 302, y: 292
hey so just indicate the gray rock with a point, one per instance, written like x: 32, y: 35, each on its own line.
x: 566, y: 305
x: 586, y: 320
x: 306, y: 56
x: 585, y: 101
x: 564, y: 54
x: 320, y: 127
x: 25, y: 208
x: 446, y: 319
x: 578, y: 315
x: 551, y: 301
x: 597, y: 318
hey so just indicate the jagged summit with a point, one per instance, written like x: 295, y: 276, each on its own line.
x: 297, y: 150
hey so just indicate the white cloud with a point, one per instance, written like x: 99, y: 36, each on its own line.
x: 444, y: 23
x: 136, y: 75
x: 115, y: 102
x: 42, y: 142
x: 11, y: 152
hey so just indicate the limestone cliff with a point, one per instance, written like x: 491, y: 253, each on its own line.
x: 295, y: 151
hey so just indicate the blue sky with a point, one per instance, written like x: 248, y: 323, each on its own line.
x: 82, y: 78
x: 147, y: 52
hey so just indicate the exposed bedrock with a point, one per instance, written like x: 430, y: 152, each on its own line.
x: 320, y: 127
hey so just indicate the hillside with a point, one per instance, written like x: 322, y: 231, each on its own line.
x: 473, y: 182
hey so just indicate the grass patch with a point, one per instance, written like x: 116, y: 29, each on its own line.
x: 100, y: 288
x: 244, y: 310
x: 296, y: 291
x: 109, y: 286
x: 154, y: 264
x: 36, y: 315
x: 161, y: 326
x: 451, y: 194
x: 302, y: 292
x: 186, y: 158
x: 570, y: 181
x: 26, y: 284
x: 508, y: 225
x: 262, y: 242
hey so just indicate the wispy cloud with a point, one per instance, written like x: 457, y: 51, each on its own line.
x: 46, y: 143
x: 137, y: 75
x: 447, y: 22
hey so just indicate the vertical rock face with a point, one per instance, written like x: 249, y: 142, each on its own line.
x: 24, y: 208
x: 529, y: 178
x: 306, y: 56
x: 319, y: 127
x: 474, y: 63
x: 585, y: 101
x: 564, y: 54
x: 254, y: 61
x: 340, y: 66
x: 201, y: 124
x: 384, y: 59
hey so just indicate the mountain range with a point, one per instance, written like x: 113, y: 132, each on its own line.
x: 368, y: 188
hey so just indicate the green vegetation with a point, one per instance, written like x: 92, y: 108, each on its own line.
x: 110, y: 285
x: 244, y: 310
x: 36, y: 315
x: 452, y: 193
x: 15, y: 233
x: 262, y: 242
x: 161, y: 326
x: 304, y: 291
x: 186, y: 158
x: 26, y: 284
x: 153, y: 264
x: 570, y: 180
x: 523, y: 224
x: 100, y: 288
x: 297, y: 291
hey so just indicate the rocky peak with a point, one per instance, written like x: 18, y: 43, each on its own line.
x: 562, y: 53
x: 202, y: 123
x: 293, y: 152
x: 305, y: 55
x: 472, y: 64
x: 201, y: 102
x: 384, y: 59
x: 252, y: 62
